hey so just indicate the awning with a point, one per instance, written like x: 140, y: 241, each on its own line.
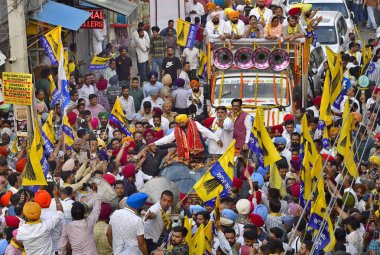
x: 61, y: 15
x: 124, y: 7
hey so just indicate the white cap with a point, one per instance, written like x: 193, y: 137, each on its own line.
x: 243, y: 206
x: 240, y: 7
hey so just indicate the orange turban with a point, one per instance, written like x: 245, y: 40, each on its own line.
x: 3, y: 151
x: 210, y: 6
x: 333, y: 131
x: 357, y: 116
x: 127, y: 139
x: 43, y: 198
x: 6, y: 198
x: 32, y: 211
x: 194, y: 84
x: 233, y: 14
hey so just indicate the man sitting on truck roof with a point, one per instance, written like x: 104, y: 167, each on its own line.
x: 262, y: 13
x: 215, y: 27
x: 234, y: 28
x: 293, y: 30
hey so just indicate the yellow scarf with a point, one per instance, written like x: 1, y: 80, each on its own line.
x: 291, y: 30
x: 216, y: 29
x: 166, y: 219
x: 18, y: 247
x: 261, y: 13
x: 156, y: 129
x: 275, y: 214
x: 235, y: 115
x: 234, y: 28
x: 34, y: 222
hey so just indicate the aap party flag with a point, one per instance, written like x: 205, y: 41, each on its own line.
x: 37, y: 167
x: 68, y: 132
x: 218, y: 180
x: 63, y: 84
x: 52, y: 43
x: 48, y: 134
x: 99, y: 63
x: 119, y: 119
x: 260, y: 142
x: 186, y: 33
x: 54, y: 92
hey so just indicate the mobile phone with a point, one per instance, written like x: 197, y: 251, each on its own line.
x: 376, y: 234
x: 256, y: 245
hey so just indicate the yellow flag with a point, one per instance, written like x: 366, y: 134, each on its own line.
x: 202, y: 63
x: 306, y: 137
x: 68, y: 131
x: 325, y: 102
x: 198, y: 241
x: 119, y: 118
x: 48, y: 133
x: 209, y: 237
x: 37, y: 166
x: 187, y: 223
x: 66, y: 64
x: 306, y: 176
x: 52, y: 43
x: 14, y: 145
x: 260, y: 142
x: 219, y: 178
x: 275, y: 180
x: 326, y: 240
x: 183, y: 28
x: 344, y: 145
x: 336, y: 69
x: 99, y: 63
x: 317, y: 167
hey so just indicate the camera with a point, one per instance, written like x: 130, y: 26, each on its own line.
x: 12, y: 59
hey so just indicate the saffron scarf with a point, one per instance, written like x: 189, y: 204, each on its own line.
x: 189, y: 142
x: 292, y: 30
x: 235, y: 115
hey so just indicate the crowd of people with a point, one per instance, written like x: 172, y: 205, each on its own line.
x: 168, y: 114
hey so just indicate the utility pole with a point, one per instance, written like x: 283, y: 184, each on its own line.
x: 18, y: 50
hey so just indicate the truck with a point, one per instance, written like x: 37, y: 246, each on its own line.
x: 270, y: 74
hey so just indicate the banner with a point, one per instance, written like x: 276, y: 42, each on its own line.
x: 96, y: 20
x: 186, y: 33
x: 99, y: 63
x: 17, y: 88
x: 118, y: 117
x: 52, y: 43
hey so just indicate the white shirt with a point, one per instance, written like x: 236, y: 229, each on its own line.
x: 315, y: 111
x: 140, y: 178
x: 287, y: 154
x: 185, y: 76
x: 181, y: 96
x: 154, y: 227
x: 204, y: 131
x: 126, y: 227
x: 164, y: 123
x: 67, y: 203
x: 341, y: 108
x: 142, y: 49
x: 225, y: 134
x: 191, y: 56
x: 47, y: 214
x: 37, y: 238
x: 212, y: 32
x: 267, y: 14
x: 128, y: 106
x: 201, y: 100
x: 239, y: 26
x: 158, y: 103
x: 85, y: 91
x: 198, y: 7
x: 135, y: 35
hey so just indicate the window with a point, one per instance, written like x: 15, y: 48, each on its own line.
x: 326, y: 35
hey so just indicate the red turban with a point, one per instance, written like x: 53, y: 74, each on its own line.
x: 317, y: 101
x: 110, y: 179
x: 256, y: 220
x: 105, y: 211
x: 183, y: 197
x: 208, y: 122
x: 3, y: 151
x: 12, y: 221
x: 21, y: 163
x: 148, y: 131
x: 295, y: 189
x: 43, y: 198
x: 237, y: 183
x: 279, y: 128
x: 94, y: 122
x: 6, y: 198
x: 377, y: 136
x: 157, y: 111
x: 288, y: 117
x: 129, y: 170
x: 102, y: 84
x: 376, y: 90
x: 152, y: 140
x: 327, y: 157
x: 72, y: 118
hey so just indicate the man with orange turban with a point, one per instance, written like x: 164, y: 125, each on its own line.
x: 36, y: 234
x: 234, y: 27
x: 187, y: 134
x: 197, y: 97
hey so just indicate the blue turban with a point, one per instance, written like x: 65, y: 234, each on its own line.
x: 219, y: 2
x: 256, y: 177
x: 262, y: 211
x: 194, y: 209
x: 114, y: 80
x: 150, y: 74
x: 137, y: 200
x: 280, y: 140
x: 287, y: 220
x: 229, y: 214
x: 154, y: 91
x: 121, y: 48
x: 137, y: 116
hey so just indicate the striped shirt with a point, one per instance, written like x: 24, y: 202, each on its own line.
x: 157, y: 47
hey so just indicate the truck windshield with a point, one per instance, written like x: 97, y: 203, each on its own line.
x: 264, y: 92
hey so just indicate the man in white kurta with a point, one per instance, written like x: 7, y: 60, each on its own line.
x: 194, y: 9
x: 223, y: 128
x: 261, y: 12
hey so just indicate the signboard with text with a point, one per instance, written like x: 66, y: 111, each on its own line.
x: 17, y: 88
x: 96, y: 20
